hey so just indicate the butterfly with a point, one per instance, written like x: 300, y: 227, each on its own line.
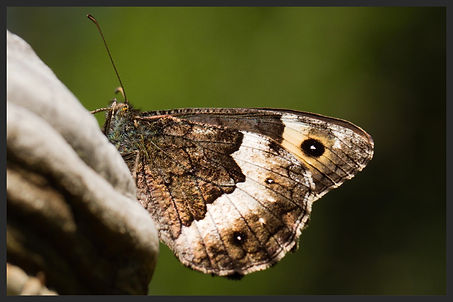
x: 231, y: 189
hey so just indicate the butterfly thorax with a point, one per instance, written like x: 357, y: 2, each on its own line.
x: 121, y: 128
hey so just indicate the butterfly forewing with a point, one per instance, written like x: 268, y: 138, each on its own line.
x: 232, y: 189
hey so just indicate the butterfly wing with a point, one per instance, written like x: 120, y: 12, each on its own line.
x: 232, y: 189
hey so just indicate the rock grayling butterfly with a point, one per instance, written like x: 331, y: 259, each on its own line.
x: 231, y: 190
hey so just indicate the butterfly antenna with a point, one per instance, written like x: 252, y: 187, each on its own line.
x: 110, y: 56
x: 100, y: 110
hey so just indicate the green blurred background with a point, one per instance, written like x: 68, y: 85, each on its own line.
x: 381, y: 68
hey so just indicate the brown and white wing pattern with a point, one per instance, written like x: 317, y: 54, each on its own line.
x: 232, y: 189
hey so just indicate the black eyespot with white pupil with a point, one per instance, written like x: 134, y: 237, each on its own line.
x: 269, y: 180
x: 239, y: 238
x: 312, y: 147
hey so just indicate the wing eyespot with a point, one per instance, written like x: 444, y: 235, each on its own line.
x: 312, y: 147
x: 269, y: 181
x: 239, y: 238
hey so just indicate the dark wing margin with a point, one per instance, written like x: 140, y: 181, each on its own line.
x: 264, y: 121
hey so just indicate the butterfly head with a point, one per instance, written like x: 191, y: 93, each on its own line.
x: 117, y: 111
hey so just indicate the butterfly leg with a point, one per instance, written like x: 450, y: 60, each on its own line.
x: 132, y: 160
x: 135, y: 168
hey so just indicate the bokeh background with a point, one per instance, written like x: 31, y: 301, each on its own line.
x: 382, y: 68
